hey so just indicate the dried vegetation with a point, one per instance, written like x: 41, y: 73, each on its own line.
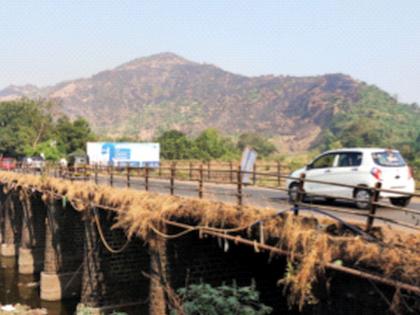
x: 310, y: 248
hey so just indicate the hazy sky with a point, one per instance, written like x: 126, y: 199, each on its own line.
x: 44, y: 42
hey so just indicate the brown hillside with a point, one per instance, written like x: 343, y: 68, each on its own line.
x: 165, y: 91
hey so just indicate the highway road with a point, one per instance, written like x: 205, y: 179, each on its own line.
x: 263, y: 197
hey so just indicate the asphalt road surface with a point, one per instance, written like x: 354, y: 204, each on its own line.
x: 263, y: 197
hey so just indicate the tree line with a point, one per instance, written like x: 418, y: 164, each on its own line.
x: 27, y: 128
x: 376, y: 119
x: 210, y: 145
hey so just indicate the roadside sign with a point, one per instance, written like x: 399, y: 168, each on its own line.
x: 249, y: 156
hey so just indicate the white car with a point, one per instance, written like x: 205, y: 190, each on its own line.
x: 362, y: 167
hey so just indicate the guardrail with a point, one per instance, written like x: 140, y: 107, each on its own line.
x: 201, y: 181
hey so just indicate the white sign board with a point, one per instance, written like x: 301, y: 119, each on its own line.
x: 123, y: 154
x: 249, y: 156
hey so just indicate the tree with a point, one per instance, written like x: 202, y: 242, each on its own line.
x: 212, y: 145
x: 27, y: 128
x: 174, y: 145
x: 48, y: 149
x: 257, y: 142
x: 73, y: 135
x: 23, y: 124
x: 376, y: 119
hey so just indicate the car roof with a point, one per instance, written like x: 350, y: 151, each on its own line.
x: 367, y: 150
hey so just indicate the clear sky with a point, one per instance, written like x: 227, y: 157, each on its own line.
x: 377, y: 41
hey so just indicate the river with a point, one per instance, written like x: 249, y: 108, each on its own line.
x: 24, y: 289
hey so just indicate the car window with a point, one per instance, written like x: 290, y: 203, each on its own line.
x: 324, y: 161
x: 388, y: 158
x: 348, y: 159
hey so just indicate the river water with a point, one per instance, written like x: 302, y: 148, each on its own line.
x: 24, y: 289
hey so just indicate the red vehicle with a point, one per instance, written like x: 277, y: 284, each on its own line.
x: 8, y: 163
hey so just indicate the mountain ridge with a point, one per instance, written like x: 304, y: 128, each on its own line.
x: 147, y: 95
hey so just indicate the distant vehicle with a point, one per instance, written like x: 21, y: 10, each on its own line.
x: 362, y: 167
x: 77, y: 160
x: 78, y: 165
x: 8, y: 163
x: 36, y: 163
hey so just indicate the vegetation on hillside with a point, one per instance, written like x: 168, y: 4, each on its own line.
x: 150, y: 95
x: 27, y: 128
x: 372, y: 118
x: 376, y: 120
x: 210, y: 145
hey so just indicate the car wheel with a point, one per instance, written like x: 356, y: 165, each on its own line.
x: 294, y: 192
x: 362, y: 197
x: 400, y: 202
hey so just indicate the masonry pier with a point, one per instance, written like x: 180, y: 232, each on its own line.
x: 12, y: 223
x: 32, y: 246
x: 63, y: 258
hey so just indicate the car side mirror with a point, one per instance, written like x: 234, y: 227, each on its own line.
x: 309, y: 166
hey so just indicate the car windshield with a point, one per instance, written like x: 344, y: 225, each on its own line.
x: 388, y: 158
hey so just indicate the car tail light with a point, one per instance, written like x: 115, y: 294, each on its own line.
x: 410, y: 173
x: 377, y: 173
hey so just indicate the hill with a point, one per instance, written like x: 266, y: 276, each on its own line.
x: 148, y: 95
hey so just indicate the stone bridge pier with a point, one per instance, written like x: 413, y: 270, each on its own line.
x: 63, y: 254
x: 11, y: 222
x: 32, y: 243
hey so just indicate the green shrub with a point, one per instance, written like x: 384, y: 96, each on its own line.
x: 204, y: 299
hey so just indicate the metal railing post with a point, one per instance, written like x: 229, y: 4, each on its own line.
x: 96, y: 173
x: 373, y: 200
x: 146, y: 178
x: 278, y: 173
x: 239, y: 188
x: 231, y: 171
x: 200, y: 183
x: 254, y: 174
x: 208, y: 170
x: 111, y: 176
x: 172, y: 179
x: 128, y: 177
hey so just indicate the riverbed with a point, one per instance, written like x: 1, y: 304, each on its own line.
x: 24, y: 289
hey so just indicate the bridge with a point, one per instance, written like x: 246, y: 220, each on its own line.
x: 221, y: 181
x: 125, y: 249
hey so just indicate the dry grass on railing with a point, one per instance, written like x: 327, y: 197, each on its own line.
x: 309, y: 246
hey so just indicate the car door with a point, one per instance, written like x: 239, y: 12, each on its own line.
x: 321, y: 169
x: 346, y: 171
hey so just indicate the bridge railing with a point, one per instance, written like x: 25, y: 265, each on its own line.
x: 227, y: 184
